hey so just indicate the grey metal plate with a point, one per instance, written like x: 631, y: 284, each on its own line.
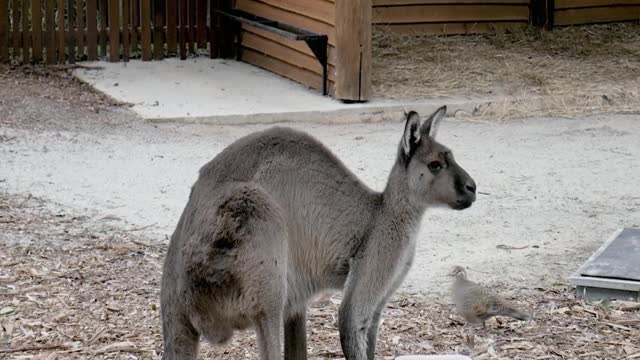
x: 620, y: 259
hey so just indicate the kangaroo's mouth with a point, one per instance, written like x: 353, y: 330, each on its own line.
x: 461, y: 204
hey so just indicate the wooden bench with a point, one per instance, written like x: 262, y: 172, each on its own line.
x: 316, y: 42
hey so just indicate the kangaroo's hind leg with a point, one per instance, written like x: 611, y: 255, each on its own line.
x: 295, y: 342
x: 180, y: 338
x: 268, y: 334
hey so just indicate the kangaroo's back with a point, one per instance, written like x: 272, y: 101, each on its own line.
x: 324, y: 203
x: 278, y: 159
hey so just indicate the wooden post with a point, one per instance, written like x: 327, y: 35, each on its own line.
x: 80, y: 27
x: 224, y: 33
x: 103, y: 26
x: 15, y: 23
x: 135, y: 23
x: 172, y: 26
x: 145, y: 29
x: 183, y: 29
x: 36, y: 27
x: 50, y: 23
x: 126, y: 33
x: 159, y: 12
x: 71, y: 20
x: 201, y: 24
x: 213, y: 21
x: 61, y: 42
x: 4, y: 31
x: 353, y: 46
x: 541, y: 13
x: 26, y: 33
x: 92, y: 30
x: 114, y: 30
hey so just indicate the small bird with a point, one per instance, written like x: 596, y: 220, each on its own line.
x: 477, y: 304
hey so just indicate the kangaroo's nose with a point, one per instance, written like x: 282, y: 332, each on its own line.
x: 470, y: 186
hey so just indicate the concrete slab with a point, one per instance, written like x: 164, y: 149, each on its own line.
x: 202, y: 90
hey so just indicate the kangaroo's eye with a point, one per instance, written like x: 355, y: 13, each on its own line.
x: 435, y: 166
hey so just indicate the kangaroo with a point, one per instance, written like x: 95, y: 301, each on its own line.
x: 276, y: 218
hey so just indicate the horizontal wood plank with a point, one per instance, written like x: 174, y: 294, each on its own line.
x: 448, y: 13
x: 277, y: 14
x: 284, y: 69
x: 596, y: 15
x: 451, y: 2
x: 453, y: 28
x: 573, y: 4
x: 300, y: 46
x: 315, y: 9
x: 283, y: 53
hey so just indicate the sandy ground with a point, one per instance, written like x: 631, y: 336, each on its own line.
x: 555, y: 187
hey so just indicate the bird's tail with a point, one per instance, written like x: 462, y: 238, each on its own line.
x: 516, y: 314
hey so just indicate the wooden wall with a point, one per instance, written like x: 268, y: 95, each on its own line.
x: 291, y: 59
x: 575, y: 12
x: 450, y: 16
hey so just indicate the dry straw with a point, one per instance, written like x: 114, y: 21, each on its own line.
x: 566, y: 71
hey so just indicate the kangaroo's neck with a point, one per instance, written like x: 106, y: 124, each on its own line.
x: 398, y: 205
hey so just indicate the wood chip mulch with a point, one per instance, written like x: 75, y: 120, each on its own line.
x: 71, y: 288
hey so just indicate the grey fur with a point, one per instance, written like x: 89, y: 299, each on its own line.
x: 276, y: 218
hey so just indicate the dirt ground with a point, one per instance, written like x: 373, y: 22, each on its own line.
x: 71, y: 288
x: 576, y: 69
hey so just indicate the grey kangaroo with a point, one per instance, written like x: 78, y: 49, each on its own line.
x: 276, y: 218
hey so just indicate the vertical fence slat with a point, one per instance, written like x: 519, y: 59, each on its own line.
x: 213, y: 21
x: 80, y: 27
x: 135, y: 22
x: 125, y: 30
x: 192, y: 25
x: 158, y: 29
x: 60, y: 15
x: 26, y: 39
x: 4, y: 31
x: 36, y: 19
x: 102, y: 4
x: 114, y: 30
x: 145, y: 31
x: 224, y: 33
x: 50, y: 25
x: 201, y: 24
x: 71, y: 20
x: 92, y: 30
x: 15, y: 28
x: 172, y: 31
x: 183, y: 29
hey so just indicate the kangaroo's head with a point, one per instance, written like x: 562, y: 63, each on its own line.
x: 434, y: 178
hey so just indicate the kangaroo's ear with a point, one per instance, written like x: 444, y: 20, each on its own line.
x: 431, y: 125
x: 411, y: 137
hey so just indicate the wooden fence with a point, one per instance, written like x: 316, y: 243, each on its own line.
x: 57, y: 30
